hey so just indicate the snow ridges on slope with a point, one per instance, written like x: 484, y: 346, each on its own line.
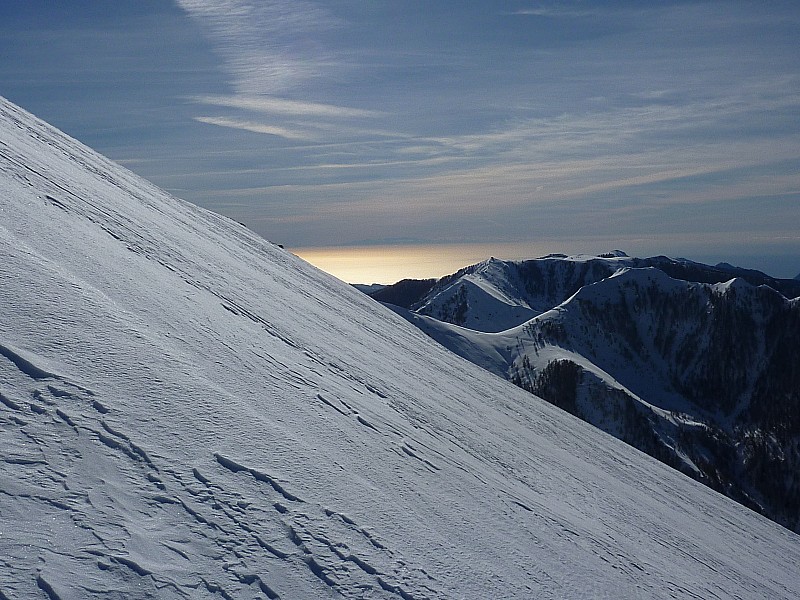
x: 189, y: 411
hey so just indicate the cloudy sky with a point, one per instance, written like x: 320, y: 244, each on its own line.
x: 669, y: 127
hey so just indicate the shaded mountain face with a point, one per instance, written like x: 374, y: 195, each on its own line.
x: 405, y: 292
x: 188, y: 411
x: 702, y: 376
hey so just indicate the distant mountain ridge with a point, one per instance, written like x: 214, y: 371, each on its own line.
x: 679, y: 359
x: 496, y: 294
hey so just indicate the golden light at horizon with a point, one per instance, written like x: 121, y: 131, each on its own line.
x: 389, y: 264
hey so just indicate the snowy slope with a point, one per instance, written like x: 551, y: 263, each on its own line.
x: 188, y: 411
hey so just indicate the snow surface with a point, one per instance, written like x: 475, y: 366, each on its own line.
x: 188, y: 411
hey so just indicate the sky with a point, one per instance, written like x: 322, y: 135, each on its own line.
x: 364, y: 129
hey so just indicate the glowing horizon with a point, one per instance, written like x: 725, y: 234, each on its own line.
x: 390, y: 263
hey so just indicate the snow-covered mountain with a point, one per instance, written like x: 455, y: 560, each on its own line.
x: 496, y: 295
x: 703, y: 376
x: 188, y: 411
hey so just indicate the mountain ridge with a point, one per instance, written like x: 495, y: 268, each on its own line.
x: 537, y: 285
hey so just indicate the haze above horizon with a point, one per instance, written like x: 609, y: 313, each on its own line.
x: 441, y: 127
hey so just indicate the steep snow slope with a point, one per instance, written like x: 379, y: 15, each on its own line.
x: 187, y: 411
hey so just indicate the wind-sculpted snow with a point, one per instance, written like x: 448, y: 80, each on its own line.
x: 188, y: 411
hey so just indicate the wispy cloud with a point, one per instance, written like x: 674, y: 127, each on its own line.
x: 255, y: 127
x: 761, y: 99
x: 553, y: 11
x: 268, y: 46
x: 317, y: 132
x: 272, y: 50
x: 283, y: 106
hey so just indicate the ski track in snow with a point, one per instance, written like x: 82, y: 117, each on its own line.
x: 187, y: 411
